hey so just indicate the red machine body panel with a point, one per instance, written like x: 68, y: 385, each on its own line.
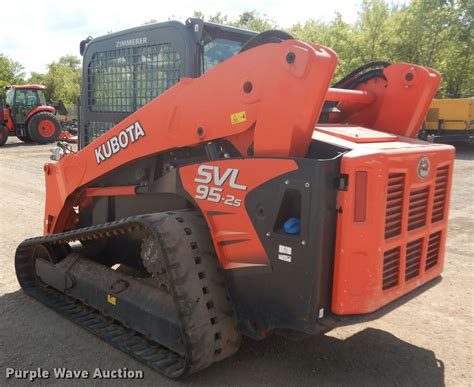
x: 281, y: 96
x: 357, y: 134
x: 399, y: 244
x: 220, y: 188
x: 400, y: 104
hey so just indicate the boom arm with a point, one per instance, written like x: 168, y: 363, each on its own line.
x: 274, y: 91
x: 268, y: 98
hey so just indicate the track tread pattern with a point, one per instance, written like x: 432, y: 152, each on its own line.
x: 197, y: 283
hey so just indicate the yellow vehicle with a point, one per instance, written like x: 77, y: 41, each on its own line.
x: 449, y: 120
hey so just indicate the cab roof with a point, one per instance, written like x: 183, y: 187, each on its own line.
x: 37, y: 87
x: 201, y: 31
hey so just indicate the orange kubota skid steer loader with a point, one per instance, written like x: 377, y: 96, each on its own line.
x: 249, y: 198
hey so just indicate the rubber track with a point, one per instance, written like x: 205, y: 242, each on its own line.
x: 208, y: 326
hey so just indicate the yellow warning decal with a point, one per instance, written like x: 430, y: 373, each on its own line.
x: 111, y: 299
x: 237, y: 118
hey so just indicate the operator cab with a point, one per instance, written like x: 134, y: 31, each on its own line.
x: 22, y: 99
x: 25, y: 95
x: 123, y: 71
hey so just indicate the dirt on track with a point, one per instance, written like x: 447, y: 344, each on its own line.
x: 428, y: 341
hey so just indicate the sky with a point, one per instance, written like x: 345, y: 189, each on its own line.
x: 50, y: 29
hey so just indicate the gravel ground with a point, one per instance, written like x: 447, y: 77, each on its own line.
x: 428, y: 341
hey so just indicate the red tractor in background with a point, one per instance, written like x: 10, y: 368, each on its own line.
x: 26, y: 115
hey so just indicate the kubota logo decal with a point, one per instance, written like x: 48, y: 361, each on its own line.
x: 122, y: 140
x: 423, y: 168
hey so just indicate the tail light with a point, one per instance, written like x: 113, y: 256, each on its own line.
x: 360, y: 206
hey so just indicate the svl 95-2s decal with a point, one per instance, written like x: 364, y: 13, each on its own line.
x: 209, y: 174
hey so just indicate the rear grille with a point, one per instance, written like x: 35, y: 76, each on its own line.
x: 440, y: 192
x: 413, y: 259
x: 411, y: 228
x: 394, y: 209
x: 391, y: 268
x: 418, y: 208
x: 433, y: 250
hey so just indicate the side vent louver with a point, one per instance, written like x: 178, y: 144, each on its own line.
x: 418, y: 208
x: 440, y: 192
x: 394, y: 209
x: 414, y: 251
x: 391, y: 268
x: 433, y: 250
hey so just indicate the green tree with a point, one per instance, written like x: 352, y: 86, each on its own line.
x: 434, y: 33
x: 70, y: 61
x: 199, y: 15
x: 459, y: 55
x: 218, y: 17
x: 11, y: 72
x: 63, y: 79
x: 250, y: 20
x: 438, y: 34
x: 336, y: 34
x: 373, y: 30
x: 36, y: 78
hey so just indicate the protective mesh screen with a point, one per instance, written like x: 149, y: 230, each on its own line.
x: 96, y: 129
x: 125, y: 79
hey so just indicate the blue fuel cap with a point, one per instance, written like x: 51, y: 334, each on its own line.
x: 292, y: 226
